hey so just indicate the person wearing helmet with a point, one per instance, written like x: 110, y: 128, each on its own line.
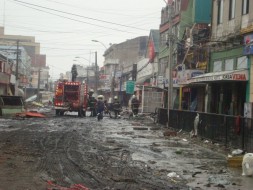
x: 91, y: 92
x: 135, y: 105
x: 116, y: 107
x: 92, y: 102
x: 100, y: 107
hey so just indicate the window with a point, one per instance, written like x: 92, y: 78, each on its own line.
x: 217, y: 66
x: 229, y: 64
x: 245, y: 7
x: 177, y: 6
x: 242, y: 62
x: 220, y: 12
x: 1, y: 67
x: 231, y: 9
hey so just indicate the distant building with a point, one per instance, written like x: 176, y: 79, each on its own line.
x: 30, y: 59
x: 119, y: 61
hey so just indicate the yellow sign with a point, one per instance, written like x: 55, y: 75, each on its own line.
x: 201, y: 65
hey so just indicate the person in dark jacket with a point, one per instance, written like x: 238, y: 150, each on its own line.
x: 100, y: 107
x: 92, y: 102
x: 116, y: 107
x: 135, y: 105
x: 107, y: 108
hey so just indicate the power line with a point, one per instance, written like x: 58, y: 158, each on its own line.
x: 76, y: 20
x: 94, y: 19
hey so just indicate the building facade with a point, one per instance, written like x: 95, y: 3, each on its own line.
x: 227, y: 81
x: 119, y: 62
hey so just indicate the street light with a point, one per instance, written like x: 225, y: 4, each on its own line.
x: 77, y: 57
x: 87, y: 68
x: 100, y: 43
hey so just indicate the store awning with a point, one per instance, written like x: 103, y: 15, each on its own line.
x: 235, y: 75
x: 143, y: 79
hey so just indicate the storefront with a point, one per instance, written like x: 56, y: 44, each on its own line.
x: 225, y: 91
x: 189, y: 96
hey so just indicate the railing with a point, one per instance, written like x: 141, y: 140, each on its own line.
x: 231, y: 131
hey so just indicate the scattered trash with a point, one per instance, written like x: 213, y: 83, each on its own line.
x: 247, y: 164
x: 218, y: 180
x: 180, y: 131
x: 169, y: 133
x: 72, y: 187
x: 194, y: 132
x: 30, y: 114
x: 37, y: 104
x: 234, y: 161
x: 140, y: 128
x: 195, y: 173
x: 185, y: 140
x: 173, y: 175
x: 237, y: 152
x: 178, y: 151
x: 206, y: 141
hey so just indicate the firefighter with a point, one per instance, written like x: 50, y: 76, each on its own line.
x: 135, y: 105
x: 116, y: 107
x: 107, y: 108
x: 91, y: 92
x: 92, y: 103
x: 100, y: 107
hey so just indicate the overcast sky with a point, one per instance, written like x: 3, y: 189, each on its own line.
x: 65, y: 28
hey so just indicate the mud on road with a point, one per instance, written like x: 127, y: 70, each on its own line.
x: 111, y: 154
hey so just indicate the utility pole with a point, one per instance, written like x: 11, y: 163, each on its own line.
x: 17, y: 63
x: 38, y: 90
x: 38, y: 85
x: 96, y: 73
x: 170, y: 64
x: 113, y: 81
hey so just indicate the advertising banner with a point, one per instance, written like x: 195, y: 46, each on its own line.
x: 130, y: 87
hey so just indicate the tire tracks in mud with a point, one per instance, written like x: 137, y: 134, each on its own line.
x: 61, y: 162
x: 72, y: 150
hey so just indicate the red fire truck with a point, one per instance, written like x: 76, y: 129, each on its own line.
x: 71, y: 96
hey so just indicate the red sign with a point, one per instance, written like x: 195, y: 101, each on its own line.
x: 151, y: 50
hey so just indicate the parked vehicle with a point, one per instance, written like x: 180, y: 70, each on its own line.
x: 10, y: 105
x: 71, y: 96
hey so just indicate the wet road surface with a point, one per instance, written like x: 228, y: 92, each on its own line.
x: 110, y: 154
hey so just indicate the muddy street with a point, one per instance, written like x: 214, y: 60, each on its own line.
x: 57, y: 152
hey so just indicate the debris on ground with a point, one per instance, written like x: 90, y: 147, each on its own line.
x: 237, y: 152
x: 58, y: 187
x: 169, y: 133
x: 30, y: 114
x: 173, y: 175
x: 234, y: 161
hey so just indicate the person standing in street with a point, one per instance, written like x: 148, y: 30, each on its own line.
x: 116, y: 107
x: 92, y: 103
x: 100, y: 107
x: 135, y: 105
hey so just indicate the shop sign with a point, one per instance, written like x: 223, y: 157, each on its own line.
x: 151, y: 51
x: 201, y: 65
x: 184, y: 76
x: 239, y: 76
x: 248, y: 45
x: 160, y: 80
x: 104, y: 78
x: 130, y: 87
